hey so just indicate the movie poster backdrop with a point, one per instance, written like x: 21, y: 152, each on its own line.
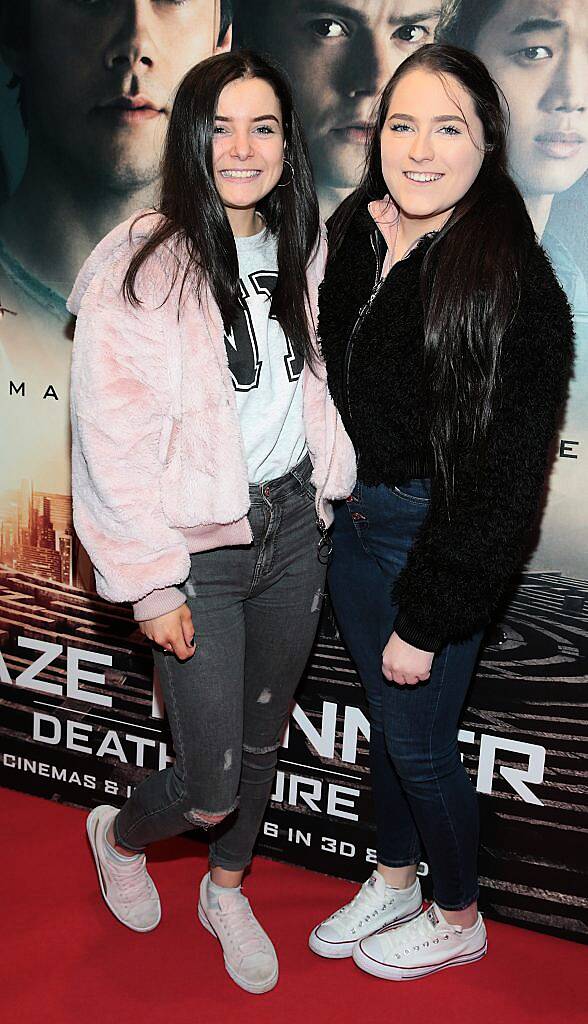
x: 81, y: 718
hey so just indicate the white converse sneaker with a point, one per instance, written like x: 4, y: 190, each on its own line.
x: 250, y: 958
x: 128, y: 890
x: 372, y: 908
x: 426, y: 945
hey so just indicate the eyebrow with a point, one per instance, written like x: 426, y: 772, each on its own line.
x: 262, y: 117
x: 536, y: 25
x: 344, y: 11
x: 439, y: 117
x: 412, y: 19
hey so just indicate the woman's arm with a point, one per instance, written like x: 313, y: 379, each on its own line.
x: 465, y: 556
x: 120, y: 407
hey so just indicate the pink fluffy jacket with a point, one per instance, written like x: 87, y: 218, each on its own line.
x: 158, y: 465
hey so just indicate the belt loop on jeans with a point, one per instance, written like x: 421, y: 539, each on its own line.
x: 271, y: 489
x: 303, y: 471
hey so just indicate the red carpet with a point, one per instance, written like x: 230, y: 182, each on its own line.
x: 66, y: 960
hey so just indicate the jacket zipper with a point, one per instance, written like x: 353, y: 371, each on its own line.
x: 325, y: 542
x: 360, y: 318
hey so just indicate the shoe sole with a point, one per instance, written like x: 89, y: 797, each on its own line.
x: 92, y: 822
x: 255, y: 989
x: 343, y: 950
x: 389, y: 973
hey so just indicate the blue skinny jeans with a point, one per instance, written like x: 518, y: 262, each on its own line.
x: 424, y: 801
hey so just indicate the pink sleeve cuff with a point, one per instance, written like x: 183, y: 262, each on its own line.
x: 158, y: 602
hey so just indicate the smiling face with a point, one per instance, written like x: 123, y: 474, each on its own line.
x: 537, y: 51
x: 432, y: 146
x: 100, y: 75
x: 248, y: 144
x: 339, y: 56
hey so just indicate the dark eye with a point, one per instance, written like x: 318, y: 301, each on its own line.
x: 411, y: 33
x: 535, y: 53
x: 328, y: 28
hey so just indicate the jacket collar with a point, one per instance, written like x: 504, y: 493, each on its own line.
x: 384, y: 214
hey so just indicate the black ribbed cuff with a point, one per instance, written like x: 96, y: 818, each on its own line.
x: 412, y: 634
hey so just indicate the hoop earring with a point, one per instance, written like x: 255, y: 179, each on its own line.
x: 291, y: 172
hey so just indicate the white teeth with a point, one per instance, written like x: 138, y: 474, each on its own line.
x: 240, y: 174
x: 420, y: 176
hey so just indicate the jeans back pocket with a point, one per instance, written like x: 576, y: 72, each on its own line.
x: 417, y: 491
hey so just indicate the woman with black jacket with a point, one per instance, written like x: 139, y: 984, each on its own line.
x: 448, y: 344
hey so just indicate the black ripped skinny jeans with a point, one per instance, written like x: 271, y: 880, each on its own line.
x: 255, y: 611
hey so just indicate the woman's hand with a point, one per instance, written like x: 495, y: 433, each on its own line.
x: 173, y: 631
x: 404, y: 664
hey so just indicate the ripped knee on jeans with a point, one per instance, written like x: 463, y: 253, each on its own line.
x: 207, y: 819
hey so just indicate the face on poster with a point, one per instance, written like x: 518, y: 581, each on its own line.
x: 100, y: 78
x: 338, y: 56
x: 537, y: 52
x: 95, y: 81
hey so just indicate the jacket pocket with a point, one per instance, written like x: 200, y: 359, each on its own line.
x: 168, y: 439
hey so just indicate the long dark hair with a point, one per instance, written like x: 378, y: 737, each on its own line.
x: 471, y: 273
x: 194, y: 212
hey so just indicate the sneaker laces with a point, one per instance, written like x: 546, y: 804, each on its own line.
x: 366, y: 904
x: 426, y: 930
x: 245, y: 930
x: 132, y: 880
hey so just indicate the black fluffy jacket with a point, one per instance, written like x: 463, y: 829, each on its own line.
x: 471, y: 545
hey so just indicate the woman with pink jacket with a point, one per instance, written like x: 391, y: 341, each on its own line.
x: 205, y: 450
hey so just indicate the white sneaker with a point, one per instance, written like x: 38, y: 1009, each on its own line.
x: 250, y: 958
x: 371, y: 909
x: 422, y: 947
x: 128, y: 890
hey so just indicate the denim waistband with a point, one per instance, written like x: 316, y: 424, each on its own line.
x: 416, y: 468
x: 282, y: 486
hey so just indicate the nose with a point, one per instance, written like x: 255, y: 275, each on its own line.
x: 568, y: 87
x: 241, y: 147
x: 132, y: 43
x: 421, y: 147
x: 367, y: 67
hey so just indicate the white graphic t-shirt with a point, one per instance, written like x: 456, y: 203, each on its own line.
x: 267, y: 375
